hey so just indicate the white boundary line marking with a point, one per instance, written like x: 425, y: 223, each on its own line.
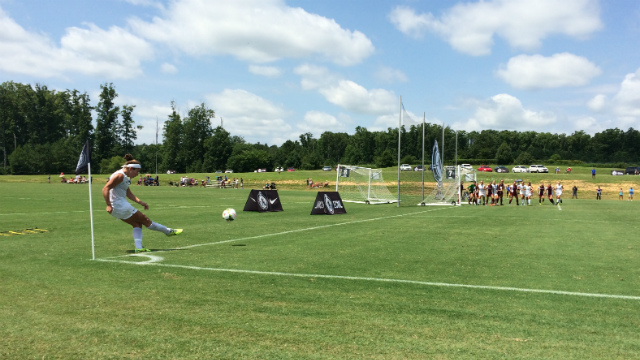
x: 155, y: 261
x: 296, y: 230
x: 308, y: 229
x: 358, y: 278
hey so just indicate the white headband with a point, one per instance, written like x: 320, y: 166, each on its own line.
x: 135, y: 166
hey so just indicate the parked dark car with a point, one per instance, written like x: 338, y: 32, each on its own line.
x: 501, y: 169
x: 632, y: 170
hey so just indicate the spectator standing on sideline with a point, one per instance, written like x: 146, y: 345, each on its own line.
x: 574, y: 194
x: 593, y: 173
x: 631, y: 193
x: 598, y: 193
x: 621, y: 195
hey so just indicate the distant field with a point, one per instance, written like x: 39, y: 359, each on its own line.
x: 380, y: 282
x: 296, y: 180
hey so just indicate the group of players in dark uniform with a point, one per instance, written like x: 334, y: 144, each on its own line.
x: 492, y: 194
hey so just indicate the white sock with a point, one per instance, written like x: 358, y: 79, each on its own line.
x: 137, y: 237
x: 159, y: 227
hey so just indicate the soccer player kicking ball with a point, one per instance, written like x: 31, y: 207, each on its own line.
x: 115, y: 194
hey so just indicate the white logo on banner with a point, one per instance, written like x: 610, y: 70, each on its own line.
x: 262, y: 201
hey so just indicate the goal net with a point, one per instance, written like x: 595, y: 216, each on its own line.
x: 362, y: 185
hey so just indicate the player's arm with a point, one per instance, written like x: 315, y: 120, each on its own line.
x: 136, y: 200
x: 112, y: 183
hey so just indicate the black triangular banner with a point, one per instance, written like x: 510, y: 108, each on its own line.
x: 263, y: 201
x: 328, y: 203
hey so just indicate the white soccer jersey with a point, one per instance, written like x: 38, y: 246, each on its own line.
x: 481, y: 188
x: 559, y: 189
x: 119, y: 192
x: 528, y: 190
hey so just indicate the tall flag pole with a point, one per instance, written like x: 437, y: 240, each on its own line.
x: 157, y: 147
x: 424, y: 115
x: 84, y: 163
x: 399, y: 129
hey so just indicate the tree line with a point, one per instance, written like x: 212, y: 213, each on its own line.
x: 42, y: 131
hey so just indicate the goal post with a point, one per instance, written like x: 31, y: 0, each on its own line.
x: 362, y: 185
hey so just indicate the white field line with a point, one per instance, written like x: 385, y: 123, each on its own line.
x: 155, y: 262
x: 295, y: 230
x: 309, y: 229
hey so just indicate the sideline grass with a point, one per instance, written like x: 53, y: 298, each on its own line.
x: 57, y: 303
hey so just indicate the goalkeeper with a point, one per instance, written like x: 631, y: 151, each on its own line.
x: 472, y: 190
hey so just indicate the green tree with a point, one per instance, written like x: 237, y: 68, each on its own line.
x: 172, y: 142
x: 504, y: 155
x: 196, y: 128
x: 524, y: 158
x: 106, y: 136
x: 127, y: 130
x: 218, y: 149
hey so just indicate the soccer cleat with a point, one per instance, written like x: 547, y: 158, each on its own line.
x: 142, y: 250
x: 174, y: 232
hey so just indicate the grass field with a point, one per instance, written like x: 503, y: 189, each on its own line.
x: 381, y: 282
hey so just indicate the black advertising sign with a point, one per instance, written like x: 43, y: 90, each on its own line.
x: 328, y: 203
x: 263, y: 201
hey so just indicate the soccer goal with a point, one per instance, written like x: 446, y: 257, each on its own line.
x: 362, y: 185
x: 448, y: 190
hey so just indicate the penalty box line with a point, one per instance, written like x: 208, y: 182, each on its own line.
x: 309, y: 229
x: 155, y: 262
x: 293, y: 231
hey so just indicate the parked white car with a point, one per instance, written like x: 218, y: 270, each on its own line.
x: 405, y: 167
x: 520, y: 169
x: 538, y: 169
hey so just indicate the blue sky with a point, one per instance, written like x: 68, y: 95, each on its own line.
x: 274, y: 69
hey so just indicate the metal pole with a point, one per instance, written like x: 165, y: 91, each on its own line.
x: 93, y: 247
x: 399, y: 126
x: 442, y: 155
x: 423, y: 124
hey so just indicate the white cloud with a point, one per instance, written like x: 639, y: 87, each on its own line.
x: 250, y: 116
x: 317, y: 122
x: 168, y: 68
x: 267, y: 71
x: 471, y: 27
x: 597, y: 103
x: 624, y: 105
x: 390, y: 75
x: 345, y: 93
x: 253, y: 30
x: 505, y: 112
x: 113, y: 53
x: 539, y: 72
x: 354, y: 97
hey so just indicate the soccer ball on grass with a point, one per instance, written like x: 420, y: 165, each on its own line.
x: 229, y: 214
